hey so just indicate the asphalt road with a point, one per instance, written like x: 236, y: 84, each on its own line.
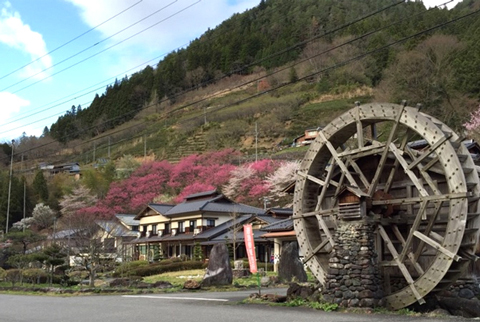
x: 174, y: 307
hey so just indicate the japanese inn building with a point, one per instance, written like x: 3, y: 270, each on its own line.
x: 204, y: 219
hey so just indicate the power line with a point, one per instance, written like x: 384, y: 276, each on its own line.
x: 84, y: 50
x: 323, y: 70
x: 71, y: 40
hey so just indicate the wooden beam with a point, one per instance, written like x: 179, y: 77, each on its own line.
x: 413, y: 229
x: 325, y: 229
x: 428, y: 229
x: 317, y: 249
x: 400, y: 265
x: 357, y: 169
x: 339, y: 161
x: 383, y: 158
x: 411, y: 175
x: 436, y: 245
x: 358, y: 121
x: 410, y: 255
x: 429, y: 151
x: 323, y: 212
x: 415, y: 200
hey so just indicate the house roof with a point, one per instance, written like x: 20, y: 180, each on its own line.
x: 218, y: 203
x: 281, y: 212
x: 115, y: 229
x: 160, y: 208
x: 63, y: 234
x: 128, y: 219
x: 228, y: 235
x: 282, y: 225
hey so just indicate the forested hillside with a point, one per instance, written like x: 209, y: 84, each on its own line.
x: 323, y: 34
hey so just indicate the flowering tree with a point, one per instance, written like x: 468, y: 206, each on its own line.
x: 282, y: 177
x: 473, y: 125
x: 247, y: 183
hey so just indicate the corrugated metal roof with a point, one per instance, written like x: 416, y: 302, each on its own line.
x: 115, y: 229
x: 128, y: 219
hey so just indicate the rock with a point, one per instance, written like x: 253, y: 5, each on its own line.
x: 466, y: 293
x: 239, y: 273
x: 265, y: 281
x: 300, y: 291
x: 238, y: 264
x: 460, y: 307
x: 120, y: 282
x: 162, y: 284
x: 191, y: 285
x: 290, y: 267
x: 219, y: 271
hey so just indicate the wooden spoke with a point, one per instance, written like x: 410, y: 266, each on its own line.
x: 323, y: 212
x: 416, y: 200
x: 383, y: 159
x: 400, y: 264
x: 316, y: 250
x: 415, y: 225
x: 325, y: 229
x: 359, y: 128
x: 428, y: 229
x: 410, y: 255
x: 338, y: 160
x: 404, y: 164
x: 436, y: 245
x: 430, y: 150
x: 360, y: 173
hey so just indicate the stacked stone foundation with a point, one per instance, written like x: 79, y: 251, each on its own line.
x: 353, y: 279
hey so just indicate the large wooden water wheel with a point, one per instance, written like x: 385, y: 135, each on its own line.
x: 408, y: 174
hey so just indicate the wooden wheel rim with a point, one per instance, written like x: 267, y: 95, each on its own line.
x: 313, y: 178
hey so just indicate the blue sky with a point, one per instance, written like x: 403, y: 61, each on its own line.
x: 44, y: 70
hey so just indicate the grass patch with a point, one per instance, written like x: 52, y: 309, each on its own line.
x: 177, y: 278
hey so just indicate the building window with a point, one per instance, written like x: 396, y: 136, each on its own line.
x: 167, y: 229
x: 193, y: 225
x: 210, y: 223
x: 181, y: 228
x: 134, y: 228
x: 154, y: 229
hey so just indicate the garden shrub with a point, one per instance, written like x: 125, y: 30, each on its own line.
x: 35, y: 276
x: 13, y: 276
x: 164, y: 267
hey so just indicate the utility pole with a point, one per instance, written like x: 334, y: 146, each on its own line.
x: 144, y: 147
x: 24, y: 200
x: 256, y: 142
x: 10, y: 186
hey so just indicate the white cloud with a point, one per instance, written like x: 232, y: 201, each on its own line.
x: 14, y: 33
x: 11, y: 104
x: 173, y: 28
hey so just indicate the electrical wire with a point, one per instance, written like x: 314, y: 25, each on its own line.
x: 71, y: 40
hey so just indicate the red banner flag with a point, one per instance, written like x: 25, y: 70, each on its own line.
x: 250, y: 246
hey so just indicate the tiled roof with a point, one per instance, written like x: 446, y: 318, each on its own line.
x: 161, y: 208
x: 217, y: 204
x: 202, y: 194
x: 281, y: 211
x: 282, y: 225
